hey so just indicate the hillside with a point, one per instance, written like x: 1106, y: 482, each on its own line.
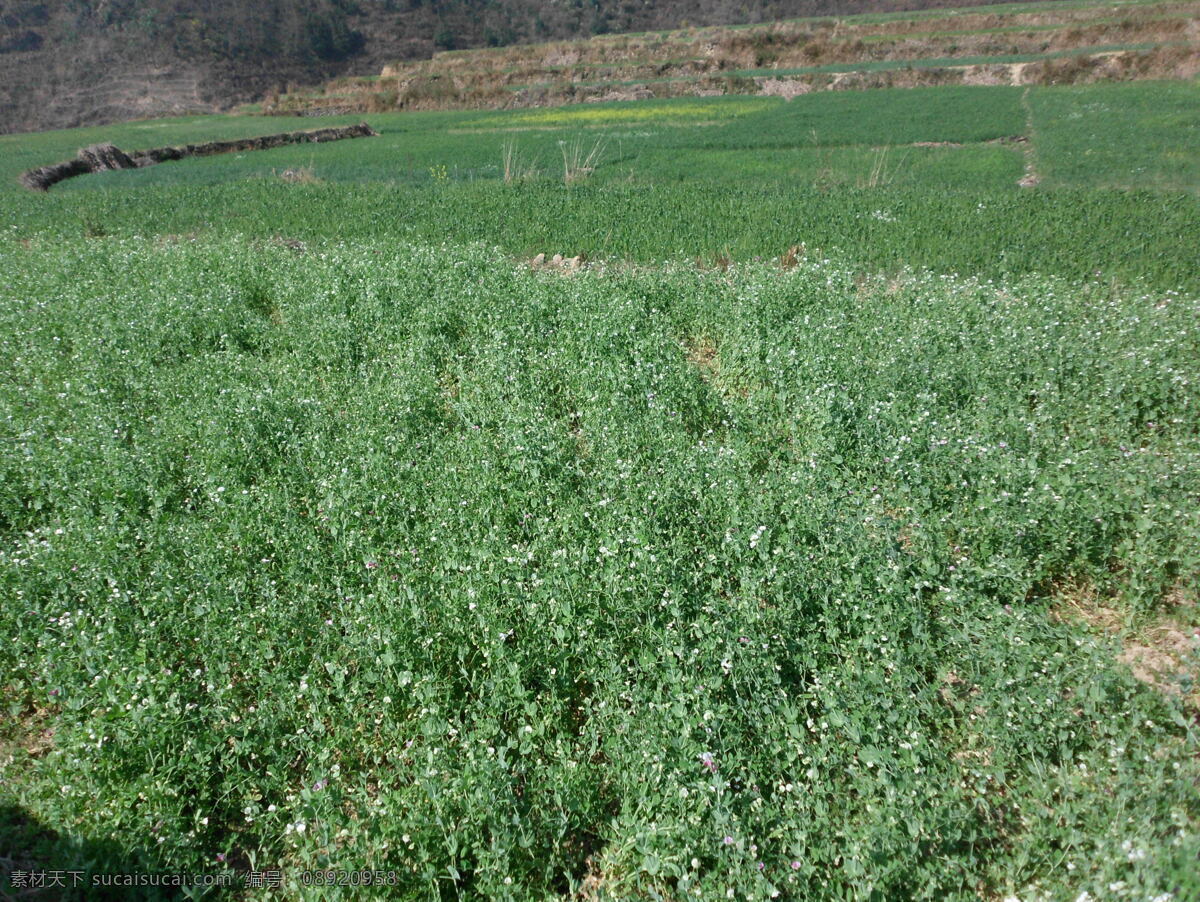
x: 93, y: 61
x: 1014, y: 44
x: 84, y: 62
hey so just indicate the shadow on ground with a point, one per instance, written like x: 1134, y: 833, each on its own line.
x: 39, y: 864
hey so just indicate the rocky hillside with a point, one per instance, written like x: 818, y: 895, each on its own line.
x: 65, y: 63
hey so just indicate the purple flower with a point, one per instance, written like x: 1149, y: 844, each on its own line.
x: 706, y: 760
x: 729, y: 840
x: 221, y: 857
x: 371, y: 565
x: 320, y: 784
x: 795, y: 865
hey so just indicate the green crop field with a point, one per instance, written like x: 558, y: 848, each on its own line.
x: 830, y: 533
x: 1125, y: 136
x: 923, y: 178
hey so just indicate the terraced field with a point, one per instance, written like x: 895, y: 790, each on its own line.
x: 1017, y: 44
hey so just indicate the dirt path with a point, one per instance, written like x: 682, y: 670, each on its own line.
x: 1032, y: 177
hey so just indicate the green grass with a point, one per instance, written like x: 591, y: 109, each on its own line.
x: 1120, y: 135
x: 689, y: 177
x: 976, y: 168
x: 1078, y: 234
x: 472, y: 571
x: 831, y: 118
x: 334, y: 536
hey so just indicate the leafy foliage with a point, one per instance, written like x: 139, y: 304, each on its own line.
x: 371, y: 555
x: 332, y: 536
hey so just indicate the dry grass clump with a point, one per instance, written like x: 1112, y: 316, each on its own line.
x: 300, y: 175
x: 701, y: 352
x: 579, y: 160
x: 791, y: 258
x: 1163, y: 653
x: 515, y: 167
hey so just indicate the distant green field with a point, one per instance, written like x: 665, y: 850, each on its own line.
x: 966, y: 115
x: 653, y: 138
x: 803, y: 544
x: 837, y: 171
x: 1120, y: 136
